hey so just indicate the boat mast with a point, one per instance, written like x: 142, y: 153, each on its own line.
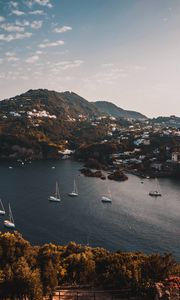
x: 2, y: 205
x: 157, y: 185
x: 10, y: 215
x: 57, y: 191
x: 75, y: 187
x: 109, y: 191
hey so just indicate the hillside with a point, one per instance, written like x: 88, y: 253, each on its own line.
x: 40, y: 123
x: 115, y: 111
x: 171, y: 121
x: 63, y: 105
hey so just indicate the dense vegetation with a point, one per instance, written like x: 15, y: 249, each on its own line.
x: 115, y: 111
x: 66, y: 125
x: 68, y: 122
x: 33, y: 271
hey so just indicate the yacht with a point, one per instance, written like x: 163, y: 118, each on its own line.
x: 156, y: 192
x: 56, y: 197
x: 74, y: 192
x: 107, y: 198
x: 10, y: 222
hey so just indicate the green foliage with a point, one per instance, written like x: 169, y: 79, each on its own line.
x: 33, y: 272
x: 157, y: 267
x: 18, y: 264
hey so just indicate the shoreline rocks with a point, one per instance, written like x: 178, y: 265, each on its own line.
x: 89, y: 173
x: 118, y: 176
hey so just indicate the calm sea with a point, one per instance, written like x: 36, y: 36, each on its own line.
x: 133, y: 222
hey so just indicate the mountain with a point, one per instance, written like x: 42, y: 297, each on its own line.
x: 64, y: 105
x: 172, y: 121
x: 115, y: 111
x: 39, y: 124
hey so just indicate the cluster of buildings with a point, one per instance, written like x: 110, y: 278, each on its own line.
x: 146, y: 149
x: 30, y: 114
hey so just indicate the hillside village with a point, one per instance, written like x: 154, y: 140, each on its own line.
x: 41, y: 124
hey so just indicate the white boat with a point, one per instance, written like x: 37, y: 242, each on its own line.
x: 9, y: 223
x: 156, y: 192
x: 2, y: 210
x: 108, y: 198
x: 74, y: 193
x: 56, y: 197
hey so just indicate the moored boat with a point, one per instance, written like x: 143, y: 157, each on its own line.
x: 10, y: 222
x: 56, y: 197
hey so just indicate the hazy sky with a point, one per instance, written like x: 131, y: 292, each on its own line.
x: 124, y: 51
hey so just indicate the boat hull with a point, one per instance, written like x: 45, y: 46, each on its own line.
x: 54, y: 199
x: 155, y: 194
x: 73, y: 194
x: 9, y: 224
x: 106, y: 199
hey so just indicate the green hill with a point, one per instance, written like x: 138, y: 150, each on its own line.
x: 40, y: 123
x: 115, y: 111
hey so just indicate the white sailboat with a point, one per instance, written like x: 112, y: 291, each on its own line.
x: 108, y: 198
x: 56, y: 197
x: 2, y: 210
x: 74, y: 192
x: 156, y: 192
x: 9, y: 223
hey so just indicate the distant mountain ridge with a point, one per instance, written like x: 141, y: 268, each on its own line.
x: 115, y: 111
x: 66, y: 104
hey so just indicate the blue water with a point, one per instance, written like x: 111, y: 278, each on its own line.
x: 133, y: 222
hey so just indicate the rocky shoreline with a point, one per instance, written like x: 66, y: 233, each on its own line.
x: 93, y: 168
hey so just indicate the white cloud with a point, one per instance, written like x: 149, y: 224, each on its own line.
x: 32, y: 59
x: 36, y: 12
x: 63, y: 29
x: 39, y: 52
x: 1, y: 60
x: 2, y: 19
x: 61, y: 63
x: 19, y: 25
x: 28, y: 3
x: 36, y: 24
x: 47, y: 3
x: 11, y: 28
x: 65, y: 65
x: 12, y: 75
x: 14, y: 4
x: 109, y: 75
x: 22, y: 23
x: 13, y: 59
x: 17, y: 36
x: 52, y: 44
x: 10, y: 54
x: 18, y: 12
x: 73, y: 64
x: 44, y: 3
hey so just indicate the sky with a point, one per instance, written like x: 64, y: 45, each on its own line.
x: 123, y: 51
